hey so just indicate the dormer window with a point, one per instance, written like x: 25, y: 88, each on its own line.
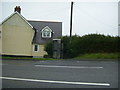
x: 46, y: 32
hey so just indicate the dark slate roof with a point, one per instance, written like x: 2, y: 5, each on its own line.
x: 56, y: 27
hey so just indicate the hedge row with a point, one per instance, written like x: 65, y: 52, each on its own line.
x: 92, y: 43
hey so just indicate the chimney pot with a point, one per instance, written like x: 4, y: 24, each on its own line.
x: 18, y: 9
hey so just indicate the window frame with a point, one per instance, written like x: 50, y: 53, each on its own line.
x: 37, y: 47
x: 44, y: 32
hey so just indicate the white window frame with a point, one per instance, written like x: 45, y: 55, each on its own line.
x: 37, y: 48
x: 49, y: 30
x: 0, y: 34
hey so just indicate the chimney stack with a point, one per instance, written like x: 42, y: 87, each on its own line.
x: 18, y: 9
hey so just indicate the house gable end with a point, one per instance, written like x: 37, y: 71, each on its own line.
x: 16, y: 19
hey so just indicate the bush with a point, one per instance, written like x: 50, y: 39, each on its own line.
x: 48, y: 49
x: 71, y: 46
x: 94, y: 43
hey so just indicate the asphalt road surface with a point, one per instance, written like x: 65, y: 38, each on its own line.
x: 59, y: 74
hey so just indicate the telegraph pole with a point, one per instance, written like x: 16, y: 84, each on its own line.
x: 71, y: 18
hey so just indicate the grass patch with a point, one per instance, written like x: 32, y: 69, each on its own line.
x: 99, y: 56
x: 26, y: 58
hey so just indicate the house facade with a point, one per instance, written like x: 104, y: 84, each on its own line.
x: 21, y: 37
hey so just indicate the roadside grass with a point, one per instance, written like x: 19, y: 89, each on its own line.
x: 99, y: 56
x: 26, y: 58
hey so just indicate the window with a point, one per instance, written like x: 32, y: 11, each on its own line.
x: 0, y: 34
x: 46, y: 32
x: 36, y: 48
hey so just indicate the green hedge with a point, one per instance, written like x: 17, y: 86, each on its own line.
x: 48, y: 49
x: 92, y: 43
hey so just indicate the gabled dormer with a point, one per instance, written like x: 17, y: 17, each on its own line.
x: 46, y: 32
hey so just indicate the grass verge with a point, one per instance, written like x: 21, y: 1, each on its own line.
x: 26, y: 58
x: 99, y: 56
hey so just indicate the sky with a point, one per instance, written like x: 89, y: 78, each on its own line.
x: 89, y: 16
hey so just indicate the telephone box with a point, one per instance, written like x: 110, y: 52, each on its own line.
x: 57, y: 49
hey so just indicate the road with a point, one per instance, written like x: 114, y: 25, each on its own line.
x: 59, y: 74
